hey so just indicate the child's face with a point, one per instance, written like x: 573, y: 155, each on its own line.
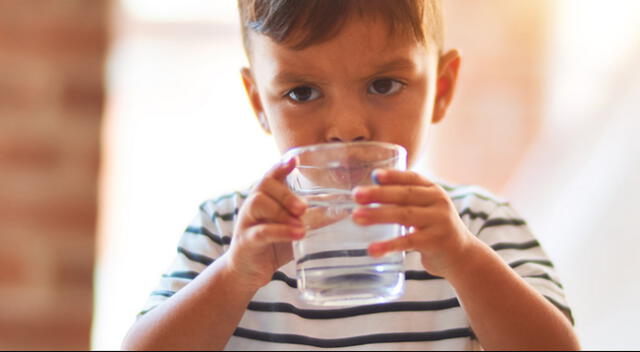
x: 361, y: 85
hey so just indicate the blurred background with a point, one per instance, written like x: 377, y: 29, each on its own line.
x: 117, y: 118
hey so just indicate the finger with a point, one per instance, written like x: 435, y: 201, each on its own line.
x: 402, y: 243
x: 396, y: 194
x: 281, y: 194
x: 275, y: 233
x: 399, y: 177
x: 419, y: 217
x: 261, y: 207
x: 281, y: 170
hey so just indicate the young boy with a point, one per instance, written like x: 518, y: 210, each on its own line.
x: 343, y: 71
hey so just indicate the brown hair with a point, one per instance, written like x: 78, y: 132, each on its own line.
x: 301, y: 23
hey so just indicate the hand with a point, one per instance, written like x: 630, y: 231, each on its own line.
x: 267, y: 223
x: 406, y: 198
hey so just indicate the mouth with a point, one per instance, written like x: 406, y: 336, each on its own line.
x: 352, y: 171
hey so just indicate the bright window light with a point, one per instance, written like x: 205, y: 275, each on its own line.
x: 178, y: 130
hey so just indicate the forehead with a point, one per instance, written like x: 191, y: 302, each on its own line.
x: 361, y: 45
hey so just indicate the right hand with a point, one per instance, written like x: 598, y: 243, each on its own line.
x: 269, y: 220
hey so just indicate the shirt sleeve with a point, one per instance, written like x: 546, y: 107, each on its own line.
x: 508, y: 234
x: 205, y: 239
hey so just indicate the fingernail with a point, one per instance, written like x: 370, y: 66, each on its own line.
x: 295, y: 222
x: 360, y: 217
x: 375, y: 176
x: 298, y: 207
x: 298, y: 233
x: 292, y: 161
x: 360, y: 194
x: 376, y: 249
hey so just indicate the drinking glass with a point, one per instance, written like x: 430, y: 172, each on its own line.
x: 333, y: 267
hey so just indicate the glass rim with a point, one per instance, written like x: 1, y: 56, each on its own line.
x: 292, y: 152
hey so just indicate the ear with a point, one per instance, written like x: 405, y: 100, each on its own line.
x: 448, y: 68
x: 254, y: 98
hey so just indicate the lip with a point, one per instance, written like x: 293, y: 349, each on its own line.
x: 345, y: 164
x: 352, y: 171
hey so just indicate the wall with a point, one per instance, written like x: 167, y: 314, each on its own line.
x: 498, y: 103
x: 51, y: 97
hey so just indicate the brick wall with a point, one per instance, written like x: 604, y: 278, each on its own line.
x: 51, y: 95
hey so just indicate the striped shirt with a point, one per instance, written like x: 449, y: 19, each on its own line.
x: 427, y: 317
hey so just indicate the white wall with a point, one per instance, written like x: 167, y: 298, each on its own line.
x: 580, y: 186
x: 177, y: 117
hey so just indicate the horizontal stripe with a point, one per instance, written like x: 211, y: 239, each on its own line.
x: 419, y: 275
x: 408, y: 275
x: 198, y: 258
x: 511, y: 245
x: 446, y: 187
x: 226, y: 240
x: 230, y: 195
x: 334, y: 254
x: 280, y: 307
x: 518, y: 263
x: 165, y: 293
x: 280, y: 276
x: 143, y: 312
x: 356, y: 340
x: 501, y: 222
x: 563, y: 308
x: 473, y: 215
x: 545, y: 277
x: 182, y: 275
x: 200, y: 230
x: 225, y: 216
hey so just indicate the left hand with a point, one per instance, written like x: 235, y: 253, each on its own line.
x: 408, y: 199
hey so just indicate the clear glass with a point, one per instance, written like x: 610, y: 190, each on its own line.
x: 332, y: 264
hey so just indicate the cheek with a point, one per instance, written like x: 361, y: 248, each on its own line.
x: 410, y: 123
x: 413, y: 141
x: 288, y: 129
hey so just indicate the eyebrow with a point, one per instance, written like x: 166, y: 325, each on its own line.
x: 394, y: 65
x: 291, y: 77
x: 398, y: 64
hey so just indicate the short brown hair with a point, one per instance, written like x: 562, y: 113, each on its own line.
x: 314, y: 21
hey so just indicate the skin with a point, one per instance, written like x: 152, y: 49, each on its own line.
x: 361, y: 85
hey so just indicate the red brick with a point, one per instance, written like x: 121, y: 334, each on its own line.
x: 22, y: 13
x: 51, y: 214
x: 83, y: 95
x: 56, y: 42
x: 25, y: 86
x: 32, y: 29
x: 45, y: 334
x: 26, y: 154
x: 24, y: 270
x: 51, y: 99
x: 13, y: 267
x: 73, y: 261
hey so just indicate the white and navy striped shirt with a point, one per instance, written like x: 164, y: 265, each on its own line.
x: 427, y: 317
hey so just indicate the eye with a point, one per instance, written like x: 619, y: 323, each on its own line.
x: 303, y: 94
x: 385, y: 86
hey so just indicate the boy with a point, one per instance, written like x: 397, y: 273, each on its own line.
x: 344, y: 71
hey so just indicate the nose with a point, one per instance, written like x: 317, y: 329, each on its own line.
x: 348, y: 124
x: 338, y: 139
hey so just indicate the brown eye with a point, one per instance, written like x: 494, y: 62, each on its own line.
x: 303, y: 94
x: 385, y: 86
